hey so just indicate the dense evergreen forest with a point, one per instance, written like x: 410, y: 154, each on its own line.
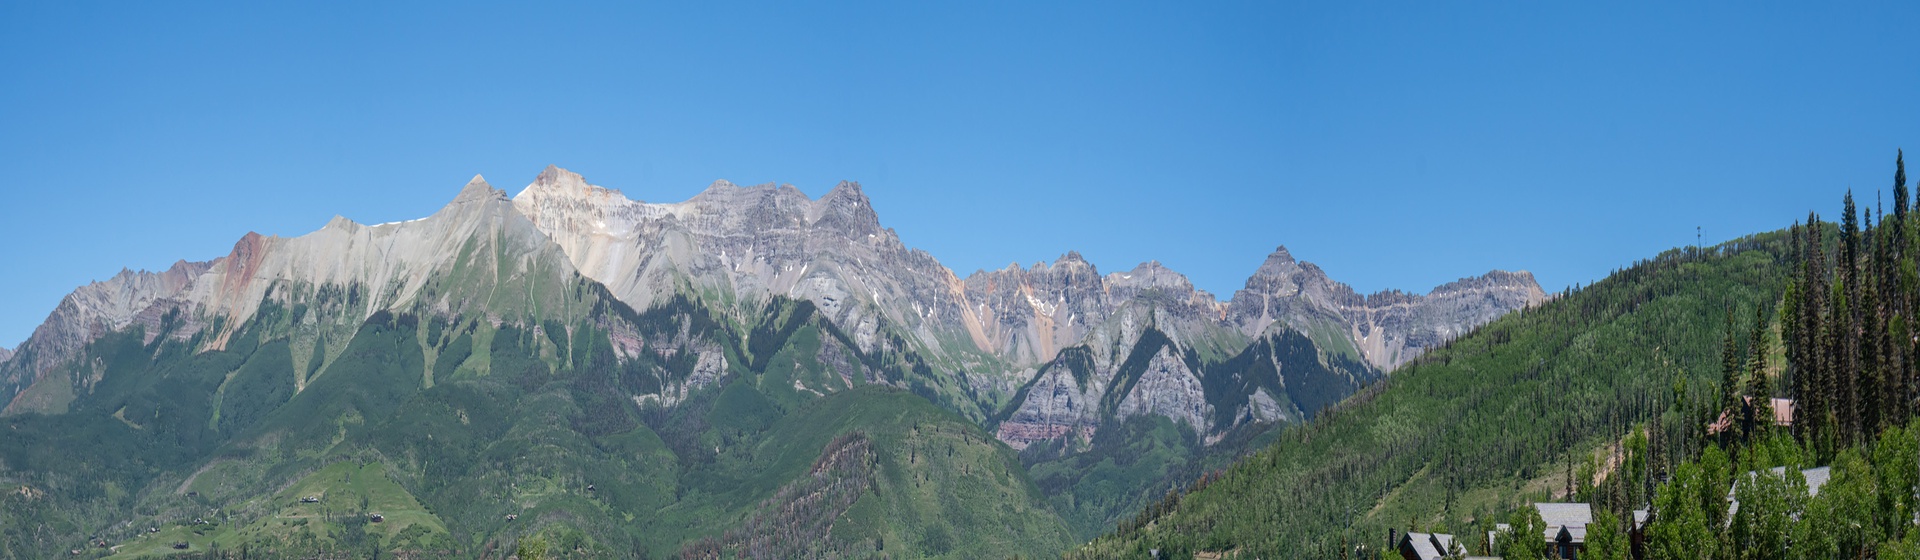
x: 1846, y: 324
x: 1607, y: 395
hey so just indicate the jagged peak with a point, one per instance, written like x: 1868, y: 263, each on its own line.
x: 556, y: 181
x: 1279, y: 263
x: 1153, y: 269
x: 477, y: 189
x: 554, y: 175
x: 1153, y: 273
x: 728, y: 192
x: 845, y: 188
x: 339, y: 222
x: 1521, y: 279
x: 847, y: 192
x: 1279, y: 256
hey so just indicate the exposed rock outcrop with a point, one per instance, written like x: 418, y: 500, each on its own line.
x: 735, y: 248
x: 1388, y: 328
x: 741, y: 245
x: 477, y: 256
x: 1169, y: 388
x: 94, y: 310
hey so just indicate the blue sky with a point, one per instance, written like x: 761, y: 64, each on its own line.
x: 1397, y: 145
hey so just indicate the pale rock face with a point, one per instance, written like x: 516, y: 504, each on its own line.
x: 94, y: 310
x: 736, y: 247
x: 708, y: 367
x: 492, y: 260
x: 1056, y: 405
x: 745, y: 244
x: 1030, y: 314
x: 390, y: 263
x: 1169, y: 389
x: 1263, y: 408
x: 1388, y: 328
x: 741, y: 245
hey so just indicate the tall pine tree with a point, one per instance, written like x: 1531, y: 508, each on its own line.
x: 1759, y: 386
x: 1757, y: 349
x: 1730, y: 387
x: 1846, y: 329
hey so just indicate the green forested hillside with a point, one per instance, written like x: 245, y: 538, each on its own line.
x: 475, y: 438
x: 1845, y: 325
x: 1493, y: 419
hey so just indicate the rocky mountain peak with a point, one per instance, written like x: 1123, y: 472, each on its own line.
x: 845, y: 208
x: 339, y: 222
x: 94, y: 310
x: 1070, y: 265
x: 1152, y: 274
x: 477, y: 190
x: 1521, y: 280
x: 1279, y: 262
x: 556, y: 175
x: 558, y: 184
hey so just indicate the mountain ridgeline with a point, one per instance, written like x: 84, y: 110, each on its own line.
x: 749, y: 373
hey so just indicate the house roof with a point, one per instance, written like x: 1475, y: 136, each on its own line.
x: 1780, y: 409
x: 1427, y: 546
x: 1573, y: 517
x: 1816, y: 477
x: 1783, y: 412
x: 1723, y: 423
x: 1422, y: 544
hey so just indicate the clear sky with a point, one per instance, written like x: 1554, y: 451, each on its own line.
x: 1398, y: 145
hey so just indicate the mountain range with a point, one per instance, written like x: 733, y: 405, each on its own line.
x: 702, y: 330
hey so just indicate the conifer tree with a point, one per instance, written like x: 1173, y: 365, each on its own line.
x: 1810, y: 379
x: 1730, y: 370
x: 1900, y: 198
x: 1867, y: 388
x: 1847, y: 319
x: 1761, y: 387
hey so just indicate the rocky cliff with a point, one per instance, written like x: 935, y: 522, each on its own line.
x: 738, y: 246
x: 980, y: 340
x: 93, y: 310
x: 477, y: 256
x: 1387, y: 328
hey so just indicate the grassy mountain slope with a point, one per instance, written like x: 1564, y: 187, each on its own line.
x: 1477, y: 426
x: 473, y: 437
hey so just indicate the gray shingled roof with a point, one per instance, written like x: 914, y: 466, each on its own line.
x: 1422, y: 544
x: 1429, y: 546
x: 1574, y: 517
x: 1816, y: 478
